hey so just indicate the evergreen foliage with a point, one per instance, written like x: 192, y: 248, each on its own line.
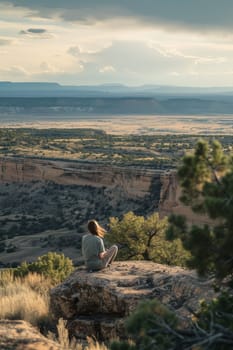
x: 53, y: 265
x: 218, y: 314
x: 153, y: 327
x: 206, y: 179
x: 143, y: 238
x: 207, y: 182
x: 145, y: 327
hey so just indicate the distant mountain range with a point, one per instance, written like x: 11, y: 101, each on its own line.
x: 112, y: 99
x: 22, y: 89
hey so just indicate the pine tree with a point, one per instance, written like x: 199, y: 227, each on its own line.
x: 206, y: 178
x: 144, y: 238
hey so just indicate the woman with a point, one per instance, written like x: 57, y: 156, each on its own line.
x: 93, y: 250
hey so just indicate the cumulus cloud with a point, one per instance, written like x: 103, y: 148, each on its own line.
x: 143, y: 64
x: 98, y: 41
x: 88, y: 50
x: 176, y: 13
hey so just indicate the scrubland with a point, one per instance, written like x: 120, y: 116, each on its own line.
x: 27, y: 298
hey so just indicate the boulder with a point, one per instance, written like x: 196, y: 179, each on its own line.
x: 20, y: 335
x: 97, y: 303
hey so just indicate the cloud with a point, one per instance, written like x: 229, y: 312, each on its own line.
x: 47, y: 68
x: 171, y: 52
x: 74, y: 51
x: 107, y: 69
x: 136, y: 63
x: 198, y: 14
x: 14, y: 73
x: 38, y: 33
x: 128, y: 41
x: 34, y: 31
x: 88, y: 50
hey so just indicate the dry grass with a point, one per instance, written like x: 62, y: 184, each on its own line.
x: 67, y: 344
x: 24, y: 299
x: 37, y: 283
x: 27, y: 299
x: 93, y: 345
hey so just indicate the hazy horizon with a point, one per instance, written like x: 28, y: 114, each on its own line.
x: 118, y: 84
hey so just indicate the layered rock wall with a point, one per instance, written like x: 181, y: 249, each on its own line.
x: 134, y: 181
x: 169, y: 202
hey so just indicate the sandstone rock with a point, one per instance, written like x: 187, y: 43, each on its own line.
x: 169, y: 202
x: 134, y: 182
x: 19, y: 335
x: 96, y: 304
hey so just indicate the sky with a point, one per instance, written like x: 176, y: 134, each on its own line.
x: 131, y: 42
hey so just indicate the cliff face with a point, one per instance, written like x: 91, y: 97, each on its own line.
x: 134, y: 182
x: 169, y: 202
x: 97, y: 303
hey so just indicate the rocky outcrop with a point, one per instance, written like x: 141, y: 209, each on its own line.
x: 134, y: 182
x: 96, y: 304
x: 19, y: 335
x: 169, y: 202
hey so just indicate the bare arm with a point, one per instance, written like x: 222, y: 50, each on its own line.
x: 102, y: 249
x: 101, y: 255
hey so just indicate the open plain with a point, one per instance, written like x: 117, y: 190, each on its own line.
x: 130, y: 124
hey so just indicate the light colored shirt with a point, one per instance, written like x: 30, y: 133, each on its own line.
x: 92, y: 246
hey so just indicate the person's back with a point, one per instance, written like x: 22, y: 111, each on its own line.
x: 92, y: 246
x: 93, y: 250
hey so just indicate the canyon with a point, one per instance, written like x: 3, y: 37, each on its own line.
x: 135, y: 182
x: 45, y: 204
x: 132, y: 182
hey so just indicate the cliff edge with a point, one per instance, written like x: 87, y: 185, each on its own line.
x: 169, y: 202
x: 135, y: 182
x: 96, y: 304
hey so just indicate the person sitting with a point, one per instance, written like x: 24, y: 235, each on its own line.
x: 95, y: 255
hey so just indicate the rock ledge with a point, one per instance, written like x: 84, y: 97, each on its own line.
x: 96, y: 304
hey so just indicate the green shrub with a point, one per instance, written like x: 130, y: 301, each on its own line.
x: 53, y: 265
x: 144, y: 239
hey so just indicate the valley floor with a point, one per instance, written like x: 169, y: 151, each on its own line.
x: 129, y: 124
